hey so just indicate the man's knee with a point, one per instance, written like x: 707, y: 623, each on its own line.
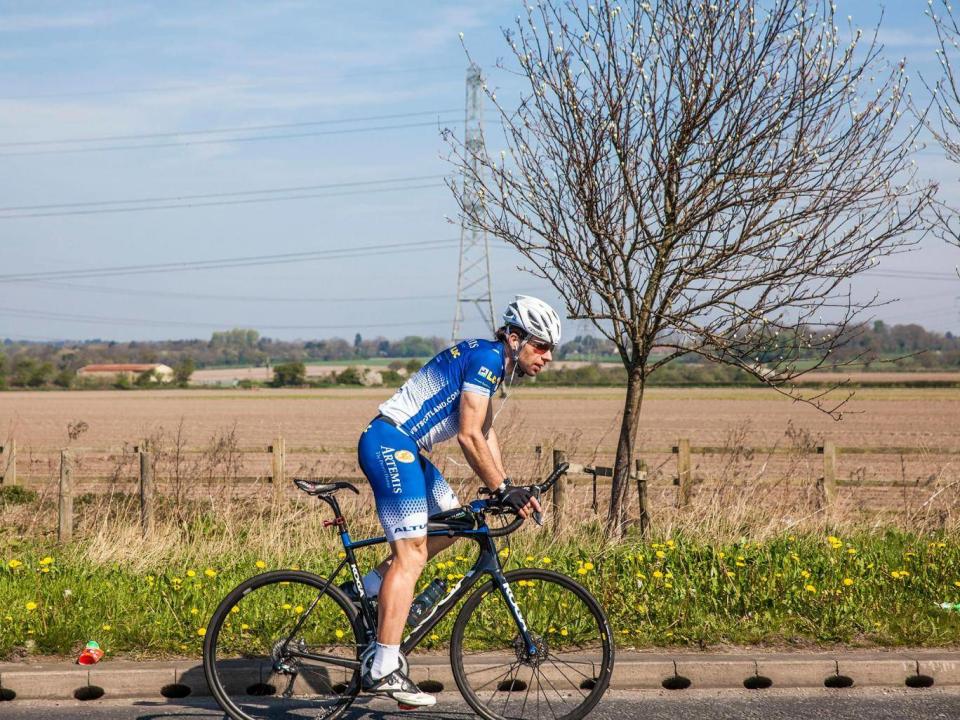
x: 411, y: 553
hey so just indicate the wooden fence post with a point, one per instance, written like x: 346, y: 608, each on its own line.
x: 559, y: 493
x: 828, y: 490
x: 10, y: 472
x: 279, y: 451
x: 684, y: 481
x: 65, y: 504
x: 146, y: 493
x: 644, y: 520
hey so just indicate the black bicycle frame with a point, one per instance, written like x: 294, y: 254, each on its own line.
x: 488, y: 563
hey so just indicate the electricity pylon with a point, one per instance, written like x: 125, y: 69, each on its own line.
x: 473, y: 279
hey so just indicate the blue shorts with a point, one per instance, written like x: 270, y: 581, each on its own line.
x: 407, y: 487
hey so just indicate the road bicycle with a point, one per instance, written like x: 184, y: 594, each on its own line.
x: 526, y: 643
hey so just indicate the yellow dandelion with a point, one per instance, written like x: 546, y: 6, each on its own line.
x: 730, y: 573
x: 657, y: 574
x: 234, y: 609
x: 260, y: 564
x: 581, y: 571
x: 339, y: 633
x: 107, y: 627
x: 957, y: 583
x: 286, y: 606
x: 668, y: 585
x: 641, y: 608
x: 810, y: 588
x: 210, y: 572
x: 641, y: 576
x: 14, y: 564
x: 194, y: 611
x: 588, y: 565
x: 201, y: 631
x: 740, y: 563
x: 46, y: 561
x: 191, y: 573
x: 44, y: 569
x: 528, y: 558
x: 721, y: 555
x: 546, y: 561
x: 244, y: 626
x: 851, y: 551
x: 434, y: 637
x: 298, y: 609
x: 564, y: 632
x: 848, y: 582
x: 31, y: 606
x: 661, y: 554
x: 804, y: 574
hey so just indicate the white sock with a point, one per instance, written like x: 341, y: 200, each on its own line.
x: 385, y: 660
x: 371, y: 583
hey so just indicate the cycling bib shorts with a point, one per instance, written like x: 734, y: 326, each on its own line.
x: 407, y: 487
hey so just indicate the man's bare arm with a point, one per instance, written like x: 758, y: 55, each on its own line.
x: 474, y: 434
x: 493, y: 442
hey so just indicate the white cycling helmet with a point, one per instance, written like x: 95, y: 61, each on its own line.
x: 534, y: 317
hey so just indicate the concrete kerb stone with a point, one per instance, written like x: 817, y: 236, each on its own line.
x: 37, y: 683
x: 944, y: 671
x: 873, y: 672
x: 642, y: 674
x: 719, y: 673
x: 799, y: 672
x: 132, y: 682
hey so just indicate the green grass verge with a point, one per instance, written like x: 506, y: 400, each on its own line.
x: 809, y: 590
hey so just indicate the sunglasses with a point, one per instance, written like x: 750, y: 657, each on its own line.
x: 540, y: 347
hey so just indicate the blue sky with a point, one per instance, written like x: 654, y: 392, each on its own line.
x: 113, y: 70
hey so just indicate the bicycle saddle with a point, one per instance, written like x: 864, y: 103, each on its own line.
x: 312, y: 487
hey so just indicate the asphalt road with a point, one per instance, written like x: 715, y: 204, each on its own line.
x: 816, y: 704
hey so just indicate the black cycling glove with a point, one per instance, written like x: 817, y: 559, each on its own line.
x: 513, y: 496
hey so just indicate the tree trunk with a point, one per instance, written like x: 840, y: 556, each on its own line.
x: 620, y: 486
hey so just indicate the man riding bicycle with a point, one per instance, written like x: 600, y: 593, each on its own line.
x: 449, y: 396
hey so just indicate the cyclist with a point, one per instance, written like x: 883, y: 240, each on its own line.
x: 449, y: 396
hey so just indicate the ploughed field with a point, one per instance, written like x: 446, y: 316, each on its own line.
x: 320, y: 428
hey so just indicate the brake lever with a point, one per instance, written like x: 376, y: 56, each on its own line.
x: 537, y: 515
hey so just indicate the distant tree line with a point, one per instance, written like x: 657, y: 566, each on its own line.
x: 44, y: 364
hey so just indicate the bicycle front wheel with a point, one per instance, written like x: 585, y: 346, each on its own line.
x: 280, y: 645
x: 563, y: 680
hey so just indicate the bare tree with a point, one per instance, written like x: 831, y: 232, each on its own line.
x: 698, y: 178
x: 944, y: 125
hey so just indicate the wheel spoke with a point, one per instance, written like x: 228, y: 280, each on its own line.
x: 566, y: 678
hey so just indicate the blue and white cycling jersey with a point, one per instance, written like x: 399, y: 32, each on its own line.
x: 427, y: 406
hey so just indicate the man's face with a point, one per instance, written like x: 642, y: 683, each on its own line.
x: 534, y: 355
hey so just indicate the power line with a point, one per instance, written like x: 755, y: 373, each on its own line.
x: 214, y: 131
x: 141, y: 322
x: 243, y: 298
x: 252, y: 261
x: 232, y: 86
x: 913, y: 275
x: 223, y: 141
x: 219, y: 203
x: 205, y: 196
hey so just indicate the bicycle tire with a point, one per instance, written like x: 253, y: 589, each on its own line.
x: 242, y: 676
x: 589, y: 675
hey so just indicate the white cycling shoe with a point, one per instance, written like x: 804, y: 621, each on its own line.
x: 399, y: 687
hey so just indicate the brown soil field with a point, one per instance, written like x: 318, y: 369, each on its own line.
x: 582, y: 421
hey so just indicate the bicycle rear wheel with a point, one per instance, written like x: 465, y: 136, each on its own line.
x: 571, y: 670
x: 273, y: 648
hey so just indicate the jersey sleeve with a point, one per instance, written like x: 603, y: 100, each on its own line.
x: 482, y: 373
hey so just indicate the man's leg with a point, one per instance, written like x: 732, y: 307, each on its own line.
x: 435, y: 545
x: 399, y: 582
